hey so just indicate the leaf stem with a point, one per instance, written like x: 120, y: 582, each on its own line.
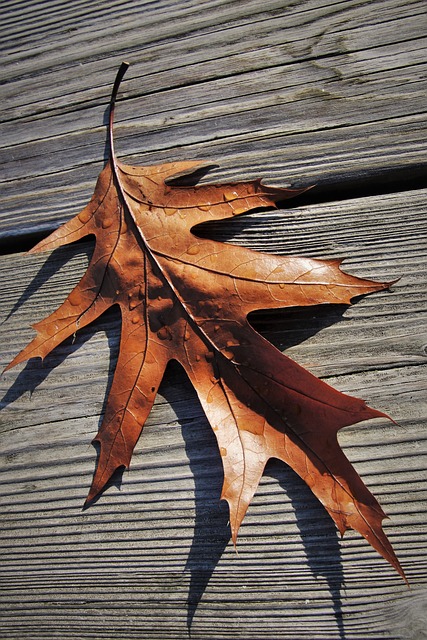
x: 119, y: 77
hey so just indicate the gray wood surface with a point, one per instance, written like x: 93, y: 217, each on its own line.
x: 331, y: 94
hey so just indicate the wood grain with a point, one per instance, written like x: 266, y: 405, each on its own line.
x: 167, y: 513
x: 300, y: 92
x: 303, y: 94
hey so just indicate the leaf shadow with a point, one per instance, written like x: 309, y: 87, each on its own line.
x: 53, y: 263
x: 288, y: 327
x: 36, y: 370
x: 211, y: 535
x: 211, y: 528
x: 319, y: 535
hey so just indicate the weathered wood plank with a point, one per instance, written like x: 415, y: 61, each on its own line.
x: 40, y: 203
x: 158, y: 549
x: 173, y: 35
x: 303, y: 98
x: 232, y: 55
x: 311, y: 94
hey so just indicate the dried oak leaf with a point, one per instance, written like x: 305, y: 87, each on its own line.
x: 187, y: 299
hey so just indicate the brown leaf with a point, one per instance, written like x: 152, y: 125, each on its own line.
x: 186, y: 298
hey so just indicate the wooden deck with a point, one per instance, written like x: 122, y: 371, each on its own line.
x: 301, y: 92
